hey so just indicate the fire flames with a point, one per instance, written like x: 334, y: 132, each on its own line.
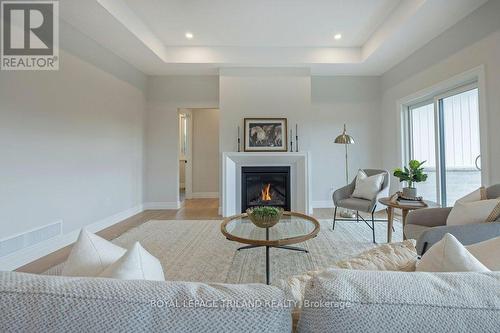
x: 266, y: 193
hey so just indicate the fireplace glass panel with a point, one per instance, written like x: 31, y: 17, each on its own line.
x: 265, y: 186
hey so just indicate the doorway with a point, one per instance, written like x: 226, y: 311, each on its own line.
x: 198, y: 153
x: 185, y: 125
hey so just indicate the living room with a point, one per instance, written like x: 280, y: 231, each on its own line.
x: 242, y: 152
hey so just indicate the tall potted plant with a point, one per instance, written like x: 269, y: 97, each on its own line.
x: 412, y: 174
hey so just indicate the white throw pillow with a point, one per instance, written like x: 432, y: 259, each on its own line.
x: 473, y: 212
x: 487, y: 252
x: 479, y: 194
x: 400, y: 256
x: 136, y: 264
x: 90, y: 255
x: 449, y: 255
x: 367, y: 187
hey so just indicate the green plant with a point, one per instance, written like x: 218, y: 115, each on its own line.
x: 266, y: 212
x: 414, y: 173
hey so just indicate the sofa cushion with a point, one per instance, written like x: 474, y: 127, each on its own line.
x: 479, y: 194
x: 474, y: 212
x: 400, y: 256
x: 90, y: 255
x: 37, y: 303
x: 384, y: 301
x: 487, y: 252
x: 135, y: 264
x: 449, y: 255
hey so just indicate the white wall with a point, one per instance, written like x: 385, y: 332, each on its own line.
x: 440, y: 60
x: 260, y: 92
x: 205, y: 132
x: 71, y: 149
x: 354, y: 101
x: 165, y: 95
x: 319, y: 105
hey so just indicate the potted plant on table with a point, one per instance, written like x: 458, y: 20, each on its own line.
x: 412, y: 174
x: 265, y: 217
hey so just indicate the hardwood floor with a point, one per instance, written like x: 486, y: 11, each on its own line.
x: 193, y: 209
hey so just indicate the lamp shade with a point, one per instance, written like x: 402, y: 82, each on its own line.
x: 344, y: 138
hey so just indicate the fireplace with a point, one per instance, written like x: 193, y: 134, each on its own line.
x: 265, y: 186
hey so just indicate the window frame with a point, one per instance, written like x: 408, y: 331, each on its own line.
x: 436, y: 99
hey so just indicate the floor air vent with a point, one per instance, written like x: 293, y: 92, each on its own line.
x: 30, y: 238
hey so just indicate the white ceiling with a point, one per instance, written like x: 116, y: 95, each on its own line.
x: 278, y: 23
x: 376, y: 34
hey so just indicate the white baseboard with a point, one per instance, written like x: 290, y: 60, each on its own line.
x: 32, y: 253
x: 322, y: 204
x: 200, y: 195
x: 162, y: 205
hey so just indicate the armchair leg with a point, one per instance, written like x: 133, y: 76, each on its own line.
x: 334, y: 217
x: 357, y: 216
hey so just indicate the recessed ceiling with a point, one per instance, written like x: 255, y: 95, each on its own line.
x: 376, y: 34
x: 276, y: 23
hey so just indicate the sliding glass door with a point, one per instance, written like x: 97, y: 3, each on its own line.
x: 423, y: 146
x: 444, y: 131
x: 460, y: 155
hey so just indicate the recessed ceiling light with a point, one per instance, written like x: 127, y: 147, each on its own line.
x: 337, y: 36
x: 189, y: 35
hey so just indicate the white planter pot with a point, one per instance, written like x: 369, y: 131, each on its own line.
x: 410, y: 192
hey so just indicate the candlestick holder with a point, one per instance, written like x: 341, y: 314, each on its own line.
x: 238, y: 140
x: 296, y: 138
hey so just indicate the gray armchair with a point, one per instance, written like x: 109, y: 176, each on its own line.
x: 428, y: 226
x: 343, y: 198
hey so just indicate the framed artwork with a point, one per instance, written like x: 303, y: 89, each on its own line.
x: 265, y: 134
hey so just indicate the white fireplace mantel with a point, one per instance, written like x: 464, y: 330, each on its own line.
x: 299, y: 164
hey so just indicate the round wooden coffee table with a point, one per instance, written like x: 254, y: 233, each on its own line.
x: 405, y: 209
x: 293, y: 228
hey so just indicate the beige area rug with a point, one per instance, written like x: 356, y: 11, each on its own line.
x: 197, y: 250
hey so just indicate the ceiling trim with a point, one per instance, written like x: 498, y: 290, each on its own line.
x: 121, y: 12
x: 395, y: 39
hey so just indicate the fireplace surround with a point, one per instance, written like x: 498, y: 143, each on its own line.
x: 233, y: 162
x: 265, y: 186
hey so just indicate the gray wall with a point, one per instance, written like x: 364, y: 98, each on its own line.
x: 473, y: 42
x: 165, y: 95
x: 354, y: 101
x: 320, y: 105
x: 72, y: 145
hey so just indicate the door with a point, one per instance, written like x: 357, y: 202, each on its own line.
x: 459, y: 143
x: 185, y: 155
x: 445, y: 132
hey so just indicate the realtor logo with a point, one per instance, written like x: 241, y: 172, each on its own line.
x: 30, y: 35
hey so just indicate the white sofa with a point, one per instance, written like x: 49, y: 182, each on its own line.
x: 337, y: 301
x: 43, y: 303
x: 391, y: 301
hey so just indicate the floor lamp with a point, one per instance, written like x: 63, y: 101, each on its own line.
x: 345, y: 139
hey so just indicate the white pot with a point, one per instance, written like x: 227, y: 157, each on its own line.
x: 410, y: 192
